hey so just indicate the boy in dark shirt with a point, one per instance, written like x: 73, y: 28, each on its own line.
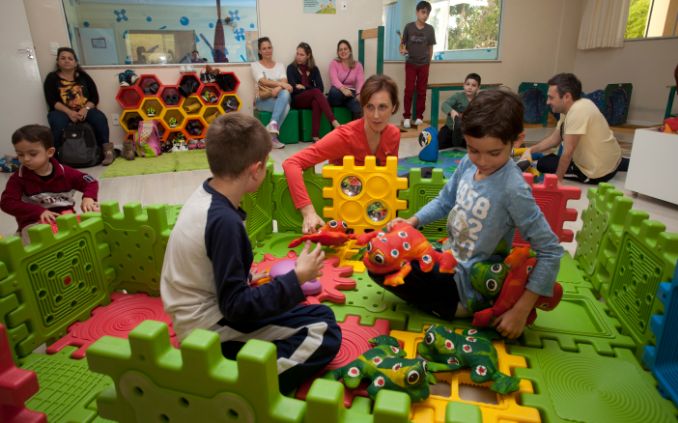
x: 43, y: 188
x: 417, y: 44
x: 206, y: 280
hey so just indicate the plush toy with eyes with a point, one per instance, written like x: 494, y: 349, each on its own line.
x: 386, y: 367
x: 390, y: 253
x: 503, y: 283
x: 445, y: 350
x: 333, y: 233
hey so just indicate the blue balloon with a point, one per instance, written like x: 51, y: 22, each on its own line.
x: 184, y: 20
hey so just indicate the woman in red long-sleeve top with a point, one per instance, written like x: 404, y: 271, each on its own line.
x: 372, y: 135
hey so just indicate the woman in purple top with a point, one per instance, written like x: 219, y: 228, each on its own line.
x: 347, y: 78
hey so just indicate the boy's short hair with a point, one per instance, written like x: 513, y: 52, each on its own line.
x: 424, y: 5
x: 567, y: 83
x: 34, y: 133
x: 234, y: 142
x: 376, y: 83
x: 494, y: 113
x: 473, y: 76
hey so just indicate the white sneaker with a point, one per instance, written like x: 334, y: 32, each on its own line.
x: 272, y: 127
x: 406, y: 124
x: 418, y: 122
x: 276, y: 143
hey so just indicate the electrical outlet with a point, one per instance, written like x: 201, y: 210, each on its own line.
x: 116, y: 119
x: 343, y: 5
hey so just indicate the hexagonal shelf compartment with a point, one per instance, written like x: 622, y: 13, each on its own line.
x: 175, y: 136
x: 129, y: 97
x: 195, y: 127
x: 151, y: 108
x: 230, y: 103
x: 210, y: 113
x: 209, y: 94
x: 189, y: 83
x: 149, y: 85
x: 169, y: 95
x: 173, y: 118
x: 162, y: 128
x: 228, y: 82
x: 129, y: 120
x: 192, y: 105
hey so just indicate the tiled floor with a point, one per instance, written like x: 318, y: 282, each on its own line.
x: 174, y: 188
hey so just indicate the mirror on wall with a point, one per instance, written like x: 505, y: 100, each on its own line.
x: 136, y: 32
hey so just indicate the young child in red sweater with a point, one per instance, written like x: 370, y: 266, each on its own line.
x: 43, y: 188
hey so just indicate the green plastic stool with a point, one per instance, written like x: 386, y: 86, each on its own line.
x: 289, y: 130
x: 342, y: 114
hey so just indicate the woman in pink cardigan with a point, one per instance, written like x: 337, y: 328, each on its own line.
x: 347, y: 78
x: 371, y: 135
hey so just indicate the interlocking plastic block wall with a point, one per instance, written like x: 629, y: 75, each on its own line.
x: 154, y: 381
x: 185, y: 108
x: 420, y: 191
x: 365, y: 197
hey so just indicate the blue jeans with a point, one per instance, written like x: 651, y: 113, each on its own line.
x: 337, y: 98
x: 278, y: 106
x: 58, y: 121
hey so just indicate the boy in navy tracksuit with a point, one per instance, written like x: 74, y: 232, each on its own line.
x: 206, y: 281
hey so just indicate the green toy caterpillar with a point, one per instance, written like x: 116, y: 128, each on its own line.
x: 445, y: 350
x: 386, y: 367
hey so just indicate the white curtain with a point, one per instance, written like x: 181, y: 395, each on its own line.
x: 603, y: 24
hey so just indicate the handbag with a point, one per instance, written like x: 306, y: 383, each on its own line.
x: 264, y: 92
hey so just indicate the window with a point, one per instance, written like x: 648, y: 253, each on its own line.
x: 652, y: 18
x: 125, y: 32
x: 465, y: 30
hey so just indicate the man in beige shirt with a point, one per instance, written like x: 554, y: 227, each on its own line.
x: 591, y: 153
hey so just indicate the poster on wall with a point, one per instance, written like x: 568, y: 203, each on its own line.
x: 98, y: 46
x: 326, y: 7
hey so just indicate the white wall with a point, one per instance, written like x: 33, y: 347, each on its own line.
x: 538, y: 40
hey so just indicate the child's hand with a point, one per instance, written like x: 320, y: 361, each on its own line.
x: 412, y: 221
x: 403, y: 50
x: 48, y: 217
x: 454, y: 113
x: 311, y: 222
x: 512, y: 323
x: 89, y: 205
x: 309, y: 263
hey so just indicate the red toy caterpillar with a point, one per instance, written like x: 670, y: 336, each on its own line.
x: 333, y: 233
x: 391, y: 253
x: 520, y: 263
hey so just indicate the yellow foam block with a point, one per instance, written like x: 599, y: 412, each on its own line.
x: 504, y: 408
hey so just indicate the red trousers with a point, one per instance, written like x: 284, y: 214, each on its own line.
x: 315, y: 100
x: 415, y: 76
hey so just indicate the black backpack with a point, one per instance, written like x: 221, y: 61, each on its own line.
x: 79, y: 147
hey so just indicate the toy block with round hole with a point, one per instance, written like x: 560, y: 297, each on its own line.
x: 606, y: 211
x: 259, y: 208
x: 210, y: 113
x: 288, y: 217
x: 169, y: 95
x: 151, y: 108
x: 420, y: 191
x: 365, y: 197
x: 68, y: 389
x: 230, y: 103
x: 644, y: 256
x: 16, y: 387
x: 585, y: 386
x: 209, y: 94
x: 662, y: 360
x: 137, y: 237
x: 149, y: 85
x: 195, y: 127
x: 228, y: 82
x: 341, y: 114
x: 129, y: 97
x: 155, y: 381
x: 58, y: 278
x: 173, y: 117
x: 129, y: 120
x: 456, y: 386
x: 192, y: 106
x: 552, y: 199
x: 289, y: 130
x: 188, y: 84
